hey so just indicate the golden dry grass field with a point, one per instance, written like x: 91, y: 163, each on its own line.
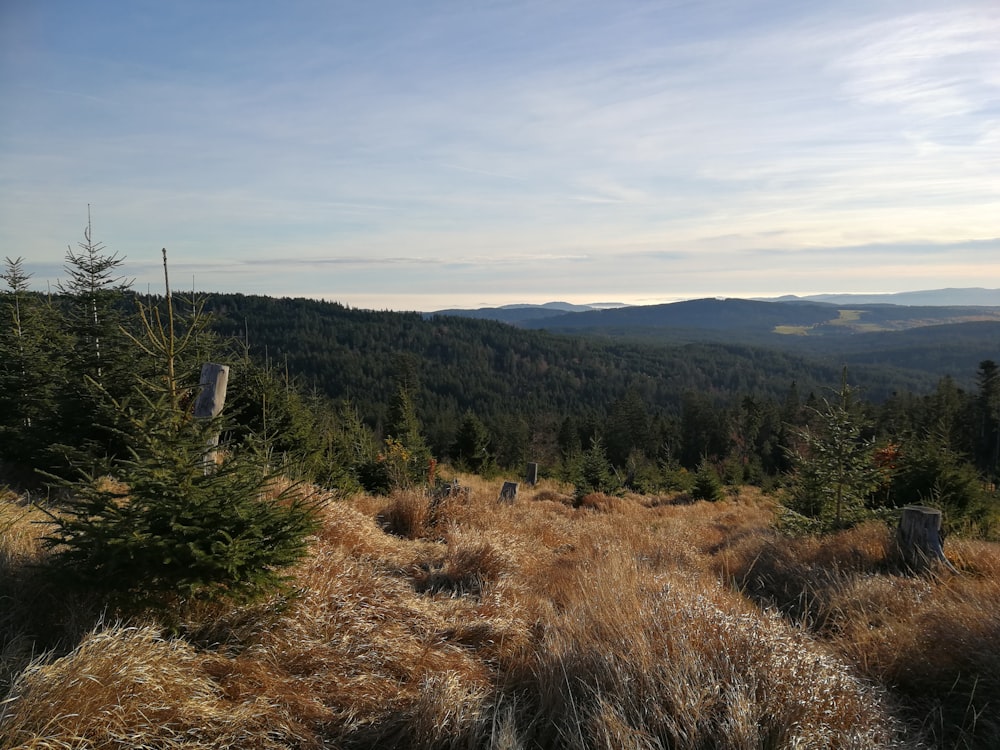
x: 631, y: 622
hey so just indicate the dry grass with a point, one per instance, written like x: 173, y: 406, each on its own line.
x: 933, y: 640
x: 620, y: 623
x: 34, y: 616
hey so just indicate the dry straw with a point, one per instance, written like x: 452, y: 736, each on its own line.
x: 607, y: 623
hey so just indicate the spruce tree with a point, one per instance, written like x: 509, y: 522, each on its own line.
x: 836, y: 469
x: 94, y: 288
x: 100, y: 362
x: 164, y: 530
x: 471, y: 450
x: 32, y: 371
x: 595, y: 473
x: 406, y: 456
x: 706, y: 483
x: 166, y: 527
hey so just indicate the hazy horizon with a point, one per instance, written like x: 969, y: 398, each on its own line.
x: 375, y: 303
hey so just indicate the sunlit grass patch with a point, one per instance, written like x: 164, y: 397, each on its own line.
x: 616, y: 623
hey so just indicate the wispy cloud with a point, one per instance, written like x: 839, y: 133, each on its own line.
x: 657, y: 148
x: 931, y: 65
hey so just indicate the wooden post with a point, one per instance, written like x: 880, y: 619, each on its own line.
x: 531, y: 475
x: 208, y: 405
x: 508, y: 494
x: 919, y: 537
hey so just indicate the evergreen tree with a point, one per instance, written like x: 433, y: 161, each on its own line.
x: 352, y: 451
x: 568, y: 437
x: 166, y: 530
x: 511, y: 442
x: 32, y: 370
x: 406, y: 456
x: 836, y: 470
x: 169, y: 527
x: 101, y: 362
x: 988, y: 418
x: 595, y: 473
x: 928, y: 471
x: 704, y: 428
x: 471, y: 450
x: 706, y: 483
x: 747, y: 426
x: 268, y: 407
x: 94, y: 290
x: 628, y: 428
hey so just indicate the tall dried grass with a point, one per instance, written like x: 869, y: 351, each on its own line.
x: 34, y: 615
x: 933, y: 640
x: 618, y: 623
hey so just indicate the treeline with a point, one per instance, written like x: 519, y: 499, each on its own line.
x: 365, y: 399
x: 76, y: 365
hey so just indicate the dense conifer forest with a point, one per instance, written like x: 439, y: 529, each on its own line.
x: 324, y: 383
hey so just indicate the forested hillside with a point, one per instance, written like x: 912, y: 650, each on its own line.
x: 510, y: 376
x: 344, y: 389
x: 497, y: 370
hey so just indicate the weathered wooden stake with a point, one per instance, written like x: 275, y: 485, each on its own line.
x: 531, y: 475
x: 508, y: 493
x: 919, y: 537
x: 208, y: 405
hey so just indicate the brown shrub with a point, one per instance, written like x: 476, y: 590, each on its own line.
x: 598, y: 501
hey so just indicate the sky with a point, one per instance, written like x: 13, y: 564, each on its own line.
x: 402, y: 155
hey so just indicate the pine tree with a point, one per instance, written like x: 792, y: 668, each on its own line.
x: 471, y: 450
x: 165, y: 530
x: 32, y: 370
x: 706, y: 483
x: 352, y: 453
x: 406, y: 455
x: 101, y: 363
x: 168, y: 528
x: 836, y: 469
x: 94, y: 288
x: 595, y: 472
x: 929, y: 472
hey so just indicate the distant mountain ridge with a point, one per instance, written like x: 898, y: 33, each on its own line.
x: 738, y: 319
x: 965, y: 297
x: 517, y: 313
x: 787, y: 314
x: 564, y: 306
x: 501, y: 371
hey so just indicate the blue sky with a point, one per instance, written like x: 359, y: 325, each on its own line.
x: 424, y: 155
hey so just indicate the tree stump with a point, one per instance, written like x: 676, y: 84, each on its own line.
x: 531, y: 475
x: 208, y: 405
x: 919, y: 537
x: 508, y: 493
x: 212, y: 397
